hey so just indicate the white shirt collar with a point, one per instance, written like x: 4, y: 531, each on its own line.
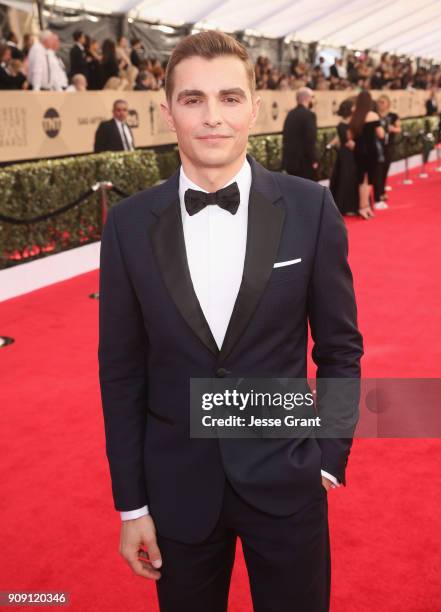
x: 242, y: 178
x: 119, y: 123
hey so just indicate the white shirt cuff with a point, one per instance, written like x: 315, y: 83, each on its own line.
x: 332, y: 478
x: 134, y: 514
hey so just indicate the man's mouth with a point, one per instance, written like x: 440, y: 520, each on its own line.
x: 213, y: 137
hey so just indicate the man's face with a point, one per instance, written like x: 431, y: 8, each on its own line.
x: 211, y: 110
x: 382, y: 105
x: 120, y: 112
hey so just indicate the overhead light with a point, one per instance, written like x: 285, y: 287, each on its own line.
x: 163, y: 28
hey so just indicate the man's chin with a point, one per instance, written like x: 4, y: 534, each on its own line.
x: 213, y: 159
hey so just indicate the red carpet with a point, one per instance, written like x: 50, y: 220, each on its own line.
x: 59, y: 530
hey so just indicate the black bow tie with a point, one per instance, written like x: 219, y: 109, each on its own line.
x: 227, y: 198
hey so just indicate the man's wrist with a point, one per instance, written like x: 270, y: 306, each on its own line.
x: 331, y: 478
x: 130, y: 515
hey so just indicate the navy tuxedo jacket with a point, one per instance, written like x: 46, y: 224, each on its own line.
x: 154, y: 338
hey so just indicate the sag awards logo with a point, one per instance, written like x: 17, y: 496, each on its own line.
x: 133, y: 118
x: 51, y: 123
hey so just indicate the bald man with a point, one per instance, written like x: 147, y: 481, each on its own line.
x: 299, y: 137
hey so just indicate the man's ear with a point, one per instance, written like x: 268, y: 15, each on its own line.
x: 256, y: 102
x: 165, y: 110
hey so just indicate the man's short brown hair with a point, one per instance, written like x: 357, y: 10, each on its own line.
x: 209, y: 44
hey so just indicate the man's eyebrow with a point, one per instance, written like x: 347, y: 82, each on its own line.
x: 190, y: 92
x: 233, y: 90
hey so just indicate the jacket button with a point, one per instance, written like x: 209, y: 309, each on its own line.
x: 221, y: 372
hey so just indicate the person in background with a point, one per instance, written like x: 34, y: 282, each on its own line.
x: 365, y: 130
x: 127, y: 71
x: 338, y: 70
x: 158, y: 72
x: 391, y: 124
x: 146, y: 82
x: 344, y: 183
x: 78, y: 83
x: 28, y: 41
x: 123, y: 51
x: 46, y: 71
x: 78, y: 58
x: 137, y: 52
x: 39, y: 75
x: 109, y: 66
x: 57, y: 68
x: 115, y: 135
x: 93, y: 59
x: 12, y: 42
x: 432, y: 103
x: 11, y: 70
x: 299, y: 137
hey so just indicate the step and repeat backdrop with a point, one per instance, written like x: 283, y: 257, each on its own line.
x: 37, y: 125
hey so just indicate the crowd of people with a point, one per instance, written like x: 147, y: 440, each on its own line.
x: 93, y: 65
x: 358, y: 71
x: 364, y: 142
x: 365, y: 134
x: 125, y: 65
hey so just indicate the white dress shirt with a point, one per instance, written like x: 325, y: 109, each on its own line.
x: 58, y: 77
x: 38, y: 67
x: 215, y: 242
x: 124, y: 130
x: 45, y: 69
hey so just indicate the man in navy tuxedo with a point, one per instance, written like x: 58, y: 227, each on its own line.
x: 216, y: 273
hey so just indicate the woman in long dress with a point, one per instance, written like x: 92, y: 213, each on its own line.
x: 344, y: 183
x: 367, y: 133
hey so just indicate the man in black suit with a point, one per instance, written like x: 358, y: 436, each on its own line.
x: 115, y: 134
x: 432, y: 103
x: 78, y: 61
x: 215, y: 273
x: 299, y: 137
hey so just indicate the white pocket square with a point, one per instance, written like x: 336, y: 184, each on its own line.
x: 290, y: 262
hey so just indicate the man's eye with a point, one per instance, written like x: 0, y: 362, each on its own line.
x: 231, y: 100
x: 192, y: 101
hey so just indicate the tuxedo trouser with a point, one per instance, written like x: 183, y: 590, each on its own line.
x: 287, y: 559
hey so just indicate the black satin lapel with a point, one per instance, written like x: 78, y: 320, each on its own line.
x: 265, y: 223
x: 168, y: 243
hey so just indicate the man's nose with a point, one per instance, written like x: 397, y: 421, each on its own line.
x: 212, y: 116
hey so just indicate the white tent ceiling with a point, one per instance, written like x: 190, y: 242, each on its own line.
x: 397, y: 26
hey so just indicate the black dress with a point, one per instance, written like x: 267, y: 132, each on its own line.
x: 93, y: 73
x: 388, y: 147
x: 368, y: 152
x: 107, y: 70
x: 344, y: 183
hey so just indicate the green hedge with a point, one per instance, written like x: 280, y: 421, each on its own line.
x: 31, y: 189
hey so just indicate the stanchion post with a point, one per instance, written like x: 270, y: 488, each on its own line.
x: 103, y: 187
x: 426, y: 140
x: 407, y: 180
x: 438, y: 157
x: 423, y: 173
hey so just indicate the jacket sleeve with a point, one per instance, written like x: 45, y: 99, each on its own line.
x: 122, y: 354
x: 310, y: 136
x: 100, y: 139
x: 338, y: 344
